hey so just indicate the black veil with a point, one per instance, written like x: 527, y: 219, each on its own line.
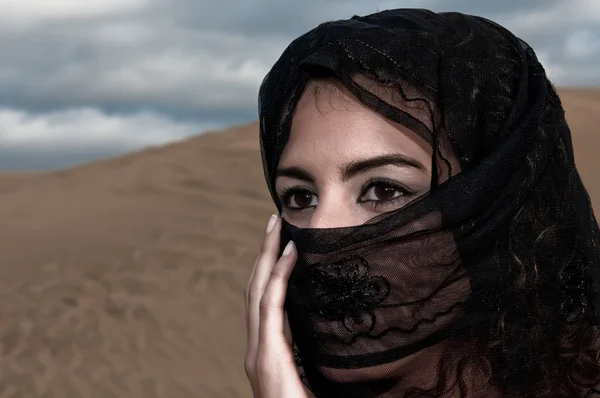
x: 502, y: 259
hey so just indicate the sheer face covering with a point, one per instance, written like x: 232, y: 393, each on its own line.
x: 362, y: 297
x: 450, y: 265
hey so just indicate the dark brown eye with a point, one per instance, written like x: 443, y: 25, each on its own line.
x: 300, y: 200
x: 381, y: 192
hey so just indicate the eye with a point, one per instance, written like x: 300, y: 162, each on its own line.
x: 380, y: 192
x: 298, y: 199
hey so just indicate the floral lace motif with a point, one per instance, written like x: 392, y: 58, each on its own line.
x: 344, y: 291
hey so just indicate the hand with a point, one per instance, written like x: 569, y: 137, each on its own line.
x: 269, y: 362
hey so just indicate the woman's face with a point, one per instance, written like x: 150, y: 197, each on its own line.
x: 345, y: 164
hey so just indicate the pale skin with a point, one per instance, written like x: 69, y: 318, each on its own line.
x: 343, y: 165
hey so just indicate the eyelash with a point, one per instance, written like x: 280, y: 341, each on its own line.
x: 287, y: 192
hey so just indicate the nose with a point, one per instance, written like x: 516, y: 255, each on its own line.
x: 332, y: 212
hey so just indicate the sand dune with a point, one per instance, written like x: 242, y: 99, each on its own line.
x: 124, y: 278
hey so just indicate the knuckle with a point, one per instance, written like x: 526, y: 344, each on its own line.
x: 268, y: 305
x: 277, y: 275
x: 265, y: 305
x: 263, y: 366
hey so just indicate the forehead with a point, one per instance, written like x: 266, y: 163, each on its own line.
x: 330, y: 124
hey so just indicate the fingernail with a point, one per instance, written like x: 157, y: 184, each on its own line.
x: 271, y: 223
x: 288, y: 248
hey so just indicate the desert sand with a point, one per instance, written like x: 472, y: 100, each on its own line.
x: 125, y: 277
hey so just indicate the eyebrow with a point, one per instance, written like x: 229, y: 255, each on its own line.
x: 356, y: 167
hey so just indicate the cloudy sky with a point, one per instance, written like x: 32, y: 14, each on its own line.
x: 87, y: 79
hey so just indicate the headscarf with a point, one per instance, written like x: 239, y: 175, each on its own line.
x: 502, y: 258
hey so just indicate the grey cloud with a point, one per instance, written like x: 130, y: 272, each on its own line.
x: 70, y: 66
x: 183, y: 47
x: 203, y: 60
x: 289, y: 19
x: 262, y: 18
x: 492, y: 8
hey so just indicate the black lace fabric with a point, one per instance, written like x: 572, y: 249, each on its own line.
x: 501, y: 259
x: 364, y: 304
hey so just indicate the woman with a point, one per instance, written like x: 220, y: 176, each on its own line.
x: 434, y: 238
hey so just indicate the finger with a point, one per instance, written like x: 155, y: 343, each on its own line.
x: 264, y: 264
x: 251, y: 333
x: 272, y: 316
x: 246, y: 292
x: 270, y: 225
x: 249, y: 286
